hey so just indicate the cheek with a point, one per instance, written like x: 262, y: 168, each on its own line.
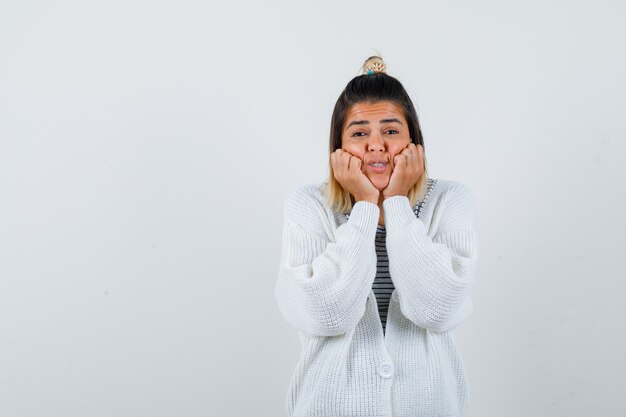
x: 397, y: 151
x: 353, y: 150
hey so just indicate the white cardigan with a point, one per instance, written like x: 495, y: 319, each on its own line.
x: 347, y: 367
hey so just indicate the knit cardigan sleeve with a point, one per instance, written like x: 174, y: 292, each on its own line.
x: 433, y: 276
x: 323, y: 283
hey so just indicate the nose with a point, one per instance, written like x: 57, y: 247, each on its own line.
x: 376, y: 143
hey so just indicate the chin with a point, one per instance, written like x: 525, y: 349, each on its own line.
x: 380, y: 184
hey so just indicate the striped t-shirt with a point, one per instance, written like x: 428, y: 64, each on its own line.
x: 383, y: 285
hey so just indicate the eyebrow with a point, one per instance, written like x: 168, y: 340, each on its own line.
x: 366, y: 122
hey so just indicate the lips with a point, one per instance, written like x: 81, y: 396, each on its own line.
x: 379, y: 169
x: 377, y: 162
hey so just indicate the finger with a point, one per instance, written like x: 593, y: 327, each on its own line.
x: 418, y: 160
x: 420, y: 151
x: 341, y: 163
x: 338, y: 155
x: 413, y: 152
x: 333, y: 161
x: 355, y: 163
x: 338, y: 159
x: 345, y: 162
x: 345, y: 156
x: 407, y: 151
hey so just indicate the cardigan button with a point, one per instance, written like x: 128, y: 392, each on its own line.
x: 385, y: 370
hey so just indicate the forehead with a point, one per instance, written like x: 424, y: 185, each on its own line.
x: 374, y: 111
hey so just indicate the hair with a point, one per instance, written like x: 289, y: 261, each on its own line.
x: 374, y: 85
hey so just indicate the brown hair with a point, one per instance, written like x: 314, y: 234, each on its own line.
x: 370, y: 87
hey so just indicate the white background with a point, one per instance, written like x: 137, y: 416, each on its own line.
x: 146, y: 148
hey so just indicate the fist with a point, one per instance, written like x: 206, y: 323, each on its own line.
x: 347, y: 171
x: 407, y: 170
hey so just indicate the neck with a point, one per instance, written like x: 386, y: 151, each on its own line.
x: 381, y: 219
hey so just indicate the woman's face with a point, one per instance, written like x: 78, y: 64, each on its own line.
x: 373, y: 132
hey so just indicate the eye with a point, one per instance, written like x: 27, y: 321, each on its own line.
x: 392, y: 132
x: 358, y: 134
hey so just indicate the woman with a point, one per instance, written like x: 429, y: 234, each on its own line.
x: 377, y: 267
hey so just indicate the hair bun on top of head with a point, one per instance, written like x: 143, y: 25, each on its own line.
x: 373, y: 65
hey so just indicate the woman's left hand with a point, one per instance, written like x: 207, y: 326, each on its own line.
x: 408, y: 168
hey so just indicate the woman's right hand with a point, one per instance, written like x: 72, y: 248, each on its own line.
x: 347, y: 171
